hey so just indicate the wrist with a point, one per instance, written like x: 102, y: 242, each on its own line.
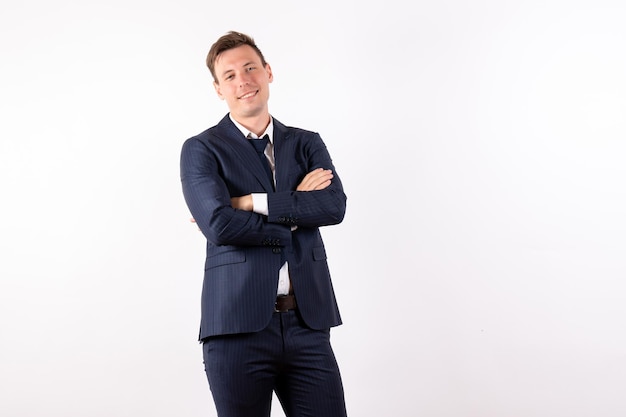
x: 248, y: 202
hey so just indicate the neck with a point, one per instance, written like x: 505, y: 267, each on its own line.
x: 256, y: 124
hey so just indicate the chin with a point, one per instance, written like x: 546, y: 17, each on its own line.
x: 251, y: 112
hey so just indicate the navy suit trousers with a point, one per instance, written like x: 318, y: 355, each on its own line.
x: 287, y: 358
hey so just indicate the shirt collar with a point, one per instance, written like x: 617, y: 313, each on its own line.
x: 269, y: 130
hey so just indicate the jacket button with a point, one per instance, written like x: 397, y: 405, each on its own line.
x: 276, y: 250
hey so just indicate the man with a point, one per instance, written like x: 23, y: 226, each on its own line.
x: 267, y: 300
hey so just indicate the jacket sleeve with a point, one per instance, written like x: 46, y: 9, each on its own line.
x: 310, y: 208
x: 208, y: 200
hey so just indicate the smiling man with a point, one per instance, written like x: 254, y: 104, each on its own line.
x: 259, y: 192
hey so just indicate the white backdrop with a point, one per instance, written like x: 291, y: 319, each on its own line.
x: 480, y: 268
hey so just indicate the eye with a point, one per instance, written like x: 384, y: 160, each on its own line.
x: 251, y: 69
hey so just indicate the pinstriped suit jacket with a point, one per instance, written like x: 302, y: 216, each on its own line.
x: 243, y: 253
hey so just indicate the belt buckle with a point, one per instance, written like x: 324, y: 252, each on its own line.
x: 276, y: 307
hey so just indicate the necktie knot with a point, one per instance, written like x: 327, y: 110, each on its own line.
x: 260, y: 144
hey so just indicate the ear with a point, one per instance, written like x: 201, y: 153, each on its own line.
x: 270, y: 75
x: 218, y: 90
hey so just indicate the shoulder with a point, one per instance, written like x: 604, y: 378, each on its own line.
x: 223, y: 129
x: 294, y: 131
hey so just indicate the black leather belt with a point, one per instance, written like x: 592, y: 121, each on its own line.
x: 285, y: 303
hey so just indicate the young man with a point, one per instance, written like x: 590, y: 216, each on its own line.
x: 267, y: 300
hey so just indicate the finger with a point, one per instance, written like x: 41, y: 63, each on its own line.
x: 323, y: 178
x: 317, y: 172
x: 323, y: 175
x: 310, y: 176
x: 323, y: 185
x: 315, y: 180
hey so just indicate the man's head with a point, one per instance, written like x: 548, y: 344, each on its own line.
x: 241, y: 77
x: 230, y: 41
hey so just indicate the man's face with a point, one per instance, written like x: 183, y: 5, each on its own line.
x: 243, y: 82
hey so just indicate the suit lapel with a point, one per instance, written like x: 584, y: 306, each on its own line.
x: 283, y: 155
x: 244, y: 150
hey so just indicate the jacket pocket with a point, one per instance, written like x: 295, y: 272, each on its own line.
x: 224, y: 258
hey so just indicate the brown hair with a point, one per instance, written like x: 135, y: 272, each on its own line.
x: 229, y: 41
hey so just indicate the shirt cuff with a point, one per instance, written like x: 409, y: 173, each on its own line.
x: 259, y: 203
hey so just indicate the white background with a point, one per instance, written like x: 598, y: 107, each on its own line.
x: 480, y: 268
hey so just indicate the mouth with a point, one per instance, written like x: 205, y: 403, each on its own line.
x: 249, y: 95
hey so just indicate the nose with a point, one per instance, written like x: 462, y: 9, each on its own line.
x: 244, y: 78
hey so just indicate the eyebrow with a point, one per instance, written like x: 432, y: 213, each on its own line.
x: 243, y: 66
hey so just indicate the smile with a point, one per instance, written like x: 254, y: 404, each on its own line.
x: 248, y: 95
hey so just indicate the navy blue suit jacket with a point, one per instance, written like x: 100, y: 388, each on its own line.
x: 244, y: 249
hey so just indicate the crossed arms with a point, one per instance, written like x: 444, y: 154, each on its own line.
x: 209, y: 184
x: 318, y: 179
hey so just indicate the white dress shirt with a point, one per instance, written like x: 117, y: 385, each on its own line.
x: 259, y: 200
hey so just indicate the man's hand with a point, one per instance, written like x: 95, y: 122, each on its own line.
x: 242, y: 203
x: 318, y: 179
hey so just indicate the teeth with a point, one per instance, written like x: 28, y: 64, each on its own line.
x: 248, y: 95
